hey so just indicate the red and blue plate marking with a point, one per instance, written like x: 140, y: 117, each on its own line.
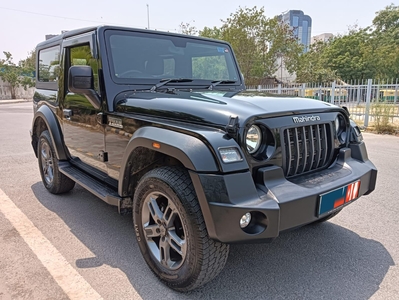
x: 337, y: 198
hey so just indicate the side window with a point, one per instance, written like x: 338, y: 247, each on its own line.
x: 210, y: 67
x: 81, y: 56
x: 49, y: 64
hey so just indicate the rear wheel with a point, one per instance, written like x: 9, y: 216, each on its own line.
x: 171, y: 231
x: 54, y: 181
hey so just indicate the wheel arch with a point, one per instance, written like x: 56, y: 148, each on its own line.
x: 150, y: 147
x: 45, y: 119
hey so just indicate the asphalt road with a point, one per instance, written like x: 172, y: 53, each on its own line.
x: 354, y: 256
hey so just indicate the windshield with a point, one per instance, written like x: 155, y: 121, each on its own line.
x: 136, y: 57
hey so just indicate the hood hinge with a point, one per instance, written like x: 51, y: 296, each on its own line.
x: 232, y: 127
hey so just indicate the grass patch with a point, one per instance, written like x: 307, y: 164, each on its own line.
x: 383, y: 113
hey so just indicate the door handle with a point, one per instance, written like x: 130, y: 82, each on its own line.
x: 67, y: 113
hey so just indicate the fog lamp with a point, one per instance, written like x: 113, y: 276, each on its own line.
x: 245, y: 220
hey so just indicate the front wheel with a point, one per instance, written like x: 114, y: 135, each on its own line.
x: 171, y: 231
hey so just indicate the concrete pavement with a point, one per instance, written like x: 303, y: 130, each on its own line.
x: 13, y: 101
x: 353, y: 256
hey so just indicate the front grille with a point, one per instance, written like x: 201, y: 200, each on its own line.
x: 307, y: 148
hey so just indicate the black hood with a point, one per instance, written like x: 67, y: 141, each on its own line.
x: 215, y: 109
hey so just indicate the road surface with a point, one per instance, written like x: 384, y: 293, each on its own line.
x: 75, y: 246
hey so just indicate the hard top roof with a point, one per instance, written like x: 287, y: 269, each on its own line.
x: 56, y: 40
x: 64, y: 35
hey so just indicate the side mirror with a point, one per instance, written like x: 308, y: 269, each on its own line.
x: 81, y: 81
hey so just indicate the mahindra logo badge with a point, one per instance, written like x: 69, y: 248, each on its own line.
x: 305, y: 119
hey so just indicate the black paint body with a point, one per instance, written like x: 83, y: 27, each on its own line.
x: 114, y: 144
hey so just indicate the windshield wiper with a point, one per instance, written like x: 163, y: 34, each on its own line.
x: 167, y: 80
x: 215, y: 83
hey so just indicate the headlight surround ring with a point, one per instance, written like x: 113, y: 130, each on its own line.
x: 340, y: 129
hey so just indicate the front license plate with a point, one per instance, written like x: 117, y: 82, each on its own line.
x: 330, y: 201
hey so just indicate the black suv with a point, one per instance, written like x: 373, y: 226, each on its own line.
x: 158, y: 124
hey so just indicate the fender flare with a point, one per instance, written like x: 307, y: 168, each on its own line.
x: 189, y: 150
x: 53, y: 126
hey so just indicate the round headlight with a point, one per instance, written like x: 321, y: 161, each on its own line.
x: 253, y: 139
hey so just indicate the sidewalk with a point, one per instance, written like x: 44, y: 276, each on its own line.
x: 14, y: 101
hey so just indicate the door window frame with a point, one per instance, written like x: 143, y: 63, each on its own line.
x: 76, y: 41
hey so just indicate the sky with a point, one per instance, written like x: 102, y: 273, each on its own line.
x: 24, y: 24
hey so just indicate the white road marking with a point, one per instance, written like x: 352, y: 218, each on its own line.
x: 73, y: 284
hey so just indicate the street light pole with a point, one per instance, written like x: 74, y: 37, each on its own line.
x: 148, y: 16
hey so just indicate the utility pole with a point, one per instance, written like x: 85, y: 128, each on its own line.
x: 148, y: 16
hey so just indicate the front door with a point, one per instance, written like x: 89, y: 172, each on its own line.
x: 83, y: 129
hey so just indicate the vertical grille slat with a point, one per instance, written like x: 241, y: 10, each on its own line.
x: 307, y: 148
x: 318, y: 141
x: 289, y: 154
x: 298, y: 150
x: 304, y: 149
x: 312, y: 148
x: 325, y: 145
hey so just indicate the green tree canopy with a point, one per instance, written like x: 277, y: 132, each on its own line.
x: 257, y: 42
x: 362, y: 53
x: 187, y: 28
x: 16, y: 76
x: 312, y: 67
x: 387, y: 20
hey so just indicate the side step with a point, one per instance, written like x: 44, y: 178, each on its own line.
x: 94, y: 186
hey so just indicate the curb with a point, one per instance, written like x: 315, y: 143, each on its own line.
x: 15, y: 101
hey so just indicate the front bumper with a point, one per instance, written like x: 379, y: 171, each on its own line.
x: 276, y: 204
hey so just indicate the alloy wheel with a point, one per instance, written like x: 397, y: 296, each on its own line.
x: 163, y: 230
x: 47, y: 162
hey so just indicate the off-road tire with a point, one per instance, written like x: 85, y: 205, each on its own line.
x: 58, y: 183
x: 204, y: 257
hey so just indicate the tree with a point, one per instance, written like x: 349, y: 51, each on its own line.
x: 386, y: 38
x: 283, y: 44
x: 387, y: 19
x: 187, y: 28
x: 312, y: 67
x: 14, y: 75
x: 257, y: 42
x: 212, y: 33
x: 29, y: 63
x: 362, y: 53
x: 352, y: 56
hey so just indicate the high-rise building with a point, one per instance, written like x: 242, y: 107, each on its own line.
x: 301, y: 25
x: 324, y: 37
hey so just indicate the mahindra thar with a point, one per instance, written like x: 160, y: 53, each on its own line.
x: 159, y: 124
